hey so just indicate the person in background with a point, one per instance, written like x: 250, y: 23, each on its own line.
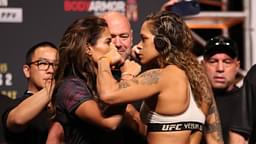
x: 221, y: 63
x: 176, y: 91
x: 121, y: 32
x: 244, y: 126
x: 28, y: 118
x: 122, y: 38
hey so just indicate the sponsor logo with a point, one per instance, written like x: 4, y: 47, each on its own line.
x: 97, y: 7
x: 76, y: 6
x: 182, y: 126
x: 11, y: 15
x: 171, y: 127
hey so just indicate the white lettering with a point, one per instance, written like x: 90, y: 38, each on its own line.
x: 103, y: 6
x: 165, y: 127
x: 8, y: 79
x: 5, y: 79
x: 192, y: 126
x: 1, y: 79
x: 178, y: 127
x: 14, y: 15
x: 170, y: 127
x: 182, y: 126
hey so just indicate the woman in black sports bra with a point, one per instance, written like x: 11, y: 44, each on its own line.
x: 178, y: 102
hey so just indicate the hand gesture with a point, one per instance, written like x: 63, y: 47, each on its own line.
x: 113, y: 56
x: 49, y: 86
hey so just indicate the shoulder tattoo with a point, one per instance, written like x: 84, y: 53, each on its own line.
x: 150, y: 77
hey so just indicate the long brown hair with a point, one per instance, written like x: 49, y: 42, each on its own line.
x: 174, y: 42
x: 72, y: 50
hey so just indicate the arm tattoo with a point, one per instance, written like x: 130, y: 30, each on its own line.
x: 214, y: 126
x: 147, y: 78
x: 123, y: 84
x: 212, y: 109
x: 151, y: 77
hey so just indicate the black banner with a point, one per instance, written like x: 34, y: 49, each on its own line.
x: 25, y: 23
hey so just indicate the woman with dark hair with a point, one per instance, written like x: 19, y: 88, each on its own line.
x: 178, y: 101
x: 75, y: 97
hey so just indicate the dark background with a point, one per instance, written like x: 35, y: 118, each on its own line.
x: 46, y: 20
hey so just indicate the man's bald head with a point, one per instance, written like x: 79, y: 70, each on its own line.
x: 113, y: 18
x: 121, y: 32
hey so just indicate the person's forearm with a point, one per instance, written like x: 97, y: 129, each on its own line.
x: 28, y: 109
x: 90, y: 112
x: 55, y: 134
x: 105, y: 81
x: 235, y: 138
x: 133, y: 119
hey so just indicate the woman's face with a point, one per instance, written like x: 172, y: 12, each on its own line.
x: 147, y: 51
x: 104, y: 47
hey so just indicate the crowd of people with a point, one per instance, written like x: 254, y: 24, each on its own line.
x: 94, y: 88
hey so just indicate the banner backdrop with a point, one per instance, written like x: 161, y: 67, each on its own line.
x: 25, y: 23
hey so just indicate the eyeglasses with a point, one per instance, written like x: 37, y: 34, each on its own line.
x: 44, y: 65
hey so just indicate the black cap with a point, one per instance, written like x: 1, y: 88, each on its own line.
x: 221, y: 44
